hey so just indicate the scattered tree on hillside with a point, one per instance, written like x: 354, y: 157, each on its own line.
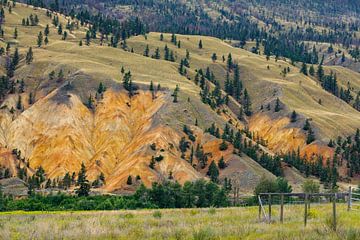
x: 304, y: 69
x: 200, y: 44
x: 82, y: 182
x: 29, y: 56
x: 40, y: 39
x: 293, y: 117
x: 213, y: 172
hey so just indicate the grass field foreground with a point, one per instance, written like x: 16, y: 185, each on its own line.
x: 228, y: 223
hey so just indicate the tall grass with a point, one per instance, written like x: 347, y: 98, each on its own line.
x: 227, y: 223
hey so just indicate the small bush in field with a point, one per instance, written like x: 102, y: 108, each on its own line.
x: 212, y: 211
x: 194, y: 212
x: 157, y: 214
x: 129, y: 216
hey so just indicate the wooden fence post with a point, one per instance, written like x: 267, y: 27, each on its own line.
x: 282, y: 209
x: 306, y: 209
x: 259, y: 209
x: 269, y: 208
x: 349, y: 199
x: 334, y: 211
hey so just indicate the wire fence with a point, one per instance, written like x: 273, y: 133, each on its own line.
x: 355, y: 199
x: 285, y: 200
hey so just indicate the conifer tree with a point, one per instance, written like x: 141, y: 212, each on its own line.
x: 15, y: 33
x: 213, y: 172
x: 200, y: 44
x: 88, y: 38
x: 293, y: 117
x: 16, y: 58
x: 277, y: 105
x: 65, y: 35
x: 82, y: 182
x: 320, y: 72
x: 60, y: 30
x: 312, y: 70
x: 247, y: 103
x: 47, y: 30
x: 306, y: 125
x: 214, y: 57
x: 304, y: 69
x: 129, y: 180
x: 19, y: 105
x: 40, y: 39
x: 29, y: 56
x: 222, y: 163
x: 146, y: 51
x: 229, y: 62
x: 311, y: 136
x: 343, y: 58
x: 175, y: 94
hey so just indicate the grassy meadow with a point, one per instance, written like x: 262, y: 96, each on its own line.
x: 227, y: 223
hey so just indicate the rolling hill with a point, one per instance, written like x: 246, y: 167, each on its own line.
x: 70, y: 106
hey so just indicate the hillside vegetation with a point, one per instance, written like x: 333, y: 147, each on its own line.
x: 131, y: 115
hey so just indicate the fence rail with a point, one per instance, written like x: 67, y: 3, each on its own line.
x: 350, y: 196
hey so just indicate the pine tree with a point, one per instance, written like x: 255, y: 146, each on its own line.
x: 229, y: 62
x: 16, y: 58
x: 60, y: 30
x: 127, y: 82
x: 277, y: 105
x: 65, y: 35
x: 173, y: 39
x: 306, y: 125
x: 237, y: 84
x: 152, y: 163
x: 129, y: 180
x: 19, y: 105
x: 213, y: 172
x: 66, y: 181
x: 304, y: 69
x: 40, y: 39
x: 166, y: 53
x: 47, y: 30
x: 357, y: 102
x: 247, y: 103
x: 293, y: 117
x: 200, y: 44
x: 15, y: 33
x: 320, y: 72
x: 175, y: 94
x: 157, y: 54
x: 214, y: 57
x: 88, y: 38
x: 82, y: 182
x: 222, y: 163
x: 310, y: 137
x: 343, y: 58
x: 29, y: 56
x: 101, y: 88
x: 146, y: 51
x: 223, y: 146
x: 312, y: 70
